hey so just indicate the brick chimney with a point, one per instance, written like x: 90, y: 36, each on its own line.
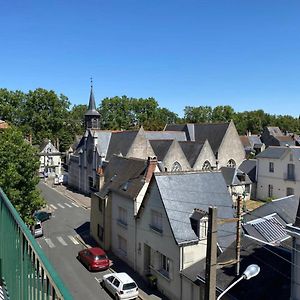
x: 151, y: 165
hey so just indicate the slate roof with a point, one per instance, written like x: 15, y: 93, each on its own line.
x: 182, y: 192
x: 161, y: 148
x: 92, y: 105
x: 165, y: 135
x: 273, y: 281
x: 275, y: 131
x: 272, y: 152
x: 120, y: 143
x: 245, y: 141
x: 191, y: 151
x: 124, y: 176
x: 285, y: 140
x: 249, y: 167
x: 213, y: 132
x: 285, y: 207
x: 235, y: 176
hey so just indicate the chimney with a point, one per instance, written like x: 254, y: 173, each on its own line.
x: 151, y: 165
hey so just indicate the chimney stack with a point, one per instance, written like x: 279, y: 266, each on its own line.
x: 151, y: 165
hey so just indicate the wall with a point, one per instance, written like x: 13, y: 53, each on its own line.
x: 206, y: 154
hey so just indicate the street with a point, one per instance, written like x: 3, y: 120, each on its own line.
x: 61, y: 247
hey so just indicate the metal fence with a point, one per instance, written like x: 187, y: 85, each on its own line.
x: 25, y: 271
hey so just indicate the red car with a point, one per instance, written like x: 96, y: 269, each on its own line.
x: 94, y: 259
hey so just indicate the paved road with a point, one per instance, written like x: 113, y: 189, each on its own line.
x: 61, y: 246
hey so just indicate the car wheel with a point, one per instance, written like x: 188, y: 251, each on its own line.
x: 90, y: 268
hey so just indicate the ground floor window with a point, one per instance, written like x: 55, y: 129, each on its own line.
x: 270, y: 191
x: 100, y: 232
x: 289, y: 191
x: 122, y: 244
x: 164, y: 265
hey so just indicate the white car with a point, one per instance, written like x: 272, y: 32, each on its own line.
x: 37, y: 229
x: 121, y: 285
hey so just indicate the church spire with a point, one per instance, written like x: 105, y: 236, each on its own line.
x: 92, y: 116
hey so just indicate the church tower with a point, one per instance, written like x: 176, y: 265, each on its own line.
x: 92, y: 117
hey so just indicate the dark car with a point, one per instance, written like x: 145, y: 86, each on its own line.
x: 42, y: 215
x: 95, y: 259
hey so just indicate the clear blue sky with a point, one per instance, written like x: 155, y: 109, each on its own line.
x: 190, y: 52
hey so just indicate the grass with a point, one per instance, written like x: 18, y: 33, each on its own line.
x: 253, y: 204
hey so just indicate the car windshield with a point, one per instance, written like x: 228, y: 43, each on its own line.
x: 38, y: 226
x: 100, y: 257
x: 129, y: 286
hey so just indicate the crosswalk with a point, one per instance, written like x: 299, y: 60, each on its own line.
x: 63, y: 205
x: 58, y: 241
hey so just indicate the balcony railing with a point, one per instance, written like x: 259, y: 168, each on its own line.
x: 289, y: 176
x: 25, y: 271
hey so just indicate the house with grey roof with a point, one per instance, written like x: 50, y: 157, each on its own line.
x: 278, y: 172
x: 248, y: 166
x: 170, y: 155
x: 172, y: 225
x: 273, y: 136
x: 238, y: 183
x: 222, y: 137
x: 252, y: 144
x: 50, y: 160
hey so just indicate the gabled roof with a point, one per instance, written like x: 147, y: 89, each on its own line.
x: 120, y: 143
x: 235, y: 176
x: 191, y: 150
x: 273, y: 281
x: 161, y: 148
x: 124, y: 176
x: 249, y: 167
x: 50, y: 147
x: 275, y: 131
x: 182, y: 192
x: 272, y: 152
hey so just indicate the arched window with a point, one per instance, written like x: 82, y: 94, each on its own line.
x: 206, y: 166
x: 176, y: 167
x: 231, y: 163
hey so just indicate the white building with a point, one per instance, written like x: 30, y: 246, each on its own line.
x: 278, y: 172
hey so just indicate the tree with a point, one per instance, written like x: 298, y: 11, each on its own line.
x: 18, y: 173
x: 200, y: 114
x: 222, y: 113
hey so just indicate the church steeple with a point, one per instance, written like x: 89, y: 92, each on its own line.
x: 92, y: 117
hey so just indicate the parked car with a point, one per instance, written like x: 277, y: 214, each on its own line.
x: 121, y: 285
x: 37, y: 229
x: 95, y: 259
x: 42, y: 215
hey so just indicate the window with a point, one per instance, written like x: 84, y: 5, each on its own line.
x: 100, y: 232
x: 164, y: 265
x: 91, y: 182
x: 122, y: 244
x: 291, y: 171
x: 116, y: 282
x: 206, y: 166
x: 271, y: 167
x: 231, y: 163
x: 176, y: 167
x: 270, y: 191
x: 156, y: 221
x: 122, y: 219
x: 289, y: 191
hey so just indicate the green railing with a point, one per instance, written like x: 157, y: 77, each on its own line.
x: 24, y: 268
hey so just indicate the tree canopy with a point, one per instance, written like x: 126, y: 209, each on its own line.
x: 18, y: 172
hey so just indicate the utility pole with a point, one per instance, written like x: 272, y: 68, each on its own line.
x: 238, y: 235
x: 211, y: 255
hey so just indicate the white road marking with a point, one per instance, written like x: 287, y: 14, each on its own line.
x: 98, y: 279
x: 49, y: 242
x: 67, y: 204
x: 75, y: 204
x: 73, y: 239
x: 53, y: 206
x: 61, y: 240
x: 60, y: 205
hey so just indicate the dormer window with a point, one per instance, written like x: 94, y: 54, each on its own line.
x: 199, y: 223
x: 231, y: 163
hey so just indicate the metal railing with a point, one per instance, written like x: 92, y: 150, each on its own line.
x: 24, y: 269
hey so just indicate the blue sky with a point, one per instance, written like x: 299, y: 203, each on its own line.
x: 241, y: 53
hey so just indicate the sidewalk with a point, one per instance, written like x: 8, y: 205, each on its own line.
x: 145, y: 292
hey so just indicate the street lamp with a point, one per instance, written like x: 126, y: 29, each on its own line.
x: 250, y: 272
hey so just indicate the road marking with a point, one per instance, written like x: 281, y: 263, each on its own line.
x: 73, y: 239
x: 75, y: 204
x: 53, y: 206
x: 98, y: 279
x: 60, y: 205
x: 49, y: 242
x: 68, y: 204
x: 61, y: 240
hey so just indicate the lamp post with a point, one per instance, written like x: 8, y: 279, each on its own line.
x: 250, y: 272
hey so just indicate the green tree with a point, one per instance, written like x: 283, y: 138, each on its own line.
x: 222, y: 113
x: 44, y: 114
x: 200, y: 114
x: 18, y: 173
